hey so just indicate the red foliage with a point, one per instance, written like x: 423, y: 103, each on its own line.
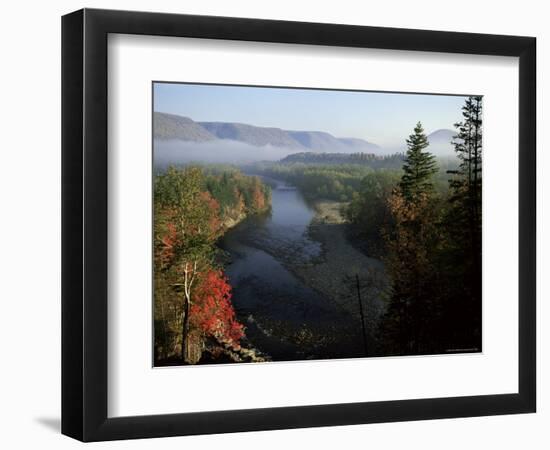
x: 214, y: 222
x: 259, y: 202
x: 212, y: 311
x: 168, y: 244
x: 240, y: 205
x: 258, y: 199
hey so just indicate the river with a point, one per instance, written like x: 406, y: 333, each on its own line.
x: 285, y: 318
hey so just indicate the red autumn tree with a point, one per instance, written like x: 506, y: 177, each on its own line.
x: 214, y: 221
x: 168, y: 242
x: 212, y: 311
x: 258, y: 197
x: 239, y: 204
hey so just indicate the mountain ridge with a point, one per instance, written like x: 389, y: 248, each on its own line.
x: 441, y: 142
x: 174, y: 127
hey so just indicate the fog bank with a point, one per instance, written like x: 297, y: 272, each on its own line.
x: 220, y: 151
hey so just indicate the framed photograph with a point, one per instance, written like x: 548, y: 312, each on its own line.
x: 273, y: 224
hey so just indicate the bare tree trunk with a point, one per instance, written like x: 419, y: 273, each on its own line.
x: 185, y: 330
x: 189, y: 277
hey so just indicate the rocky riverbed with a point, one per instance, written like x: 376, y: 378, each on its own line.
x: 294, y: 276
x: 335, y: 272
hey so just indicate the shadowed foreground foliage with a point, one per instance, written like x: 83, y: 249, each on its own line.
x: 432, y: 248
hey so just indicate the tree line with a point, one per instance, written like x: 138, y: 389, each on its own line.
x: 329, y: 176
x: 319, y: 181
x: 393, y: 161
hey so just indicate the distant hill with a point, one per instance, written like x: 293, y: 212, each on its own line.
x: 170, y: 126
x: 258, y: 136
x: 442, y: 135
x: 177, y: 138
x: 359, y: 144
x: 322, y: 141
x: 173, y: 127
x: 441, y: 142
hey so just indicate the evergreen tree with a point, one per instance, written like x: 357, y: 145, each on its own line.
x: 466, y: 184
x: 419, y: 166
x: 463, y: 225
x: 411, y: 243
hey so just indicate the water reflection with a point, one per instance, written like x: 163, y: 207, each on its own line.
x: 284, y: 317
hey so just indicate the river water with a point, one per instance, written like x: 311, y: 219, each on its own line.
x: 284, y: 317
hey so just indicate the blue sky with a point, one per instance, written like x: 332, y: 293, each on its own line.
x: 380, y: 117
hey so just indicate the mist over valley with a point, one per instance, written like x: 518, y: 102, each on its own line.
x: 181, y: 140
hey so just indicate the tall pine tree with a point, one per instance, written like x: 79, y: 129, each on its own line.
x: 463, y: 224
x: 419, y: 166
x: 411, y: 242
x: 466, y: 184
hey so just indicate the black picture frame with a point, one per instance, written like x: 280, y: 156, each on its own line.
x: 84, y: 224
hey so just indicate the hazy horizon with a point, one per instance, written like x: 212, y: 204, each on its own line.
x: 382, y: 118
